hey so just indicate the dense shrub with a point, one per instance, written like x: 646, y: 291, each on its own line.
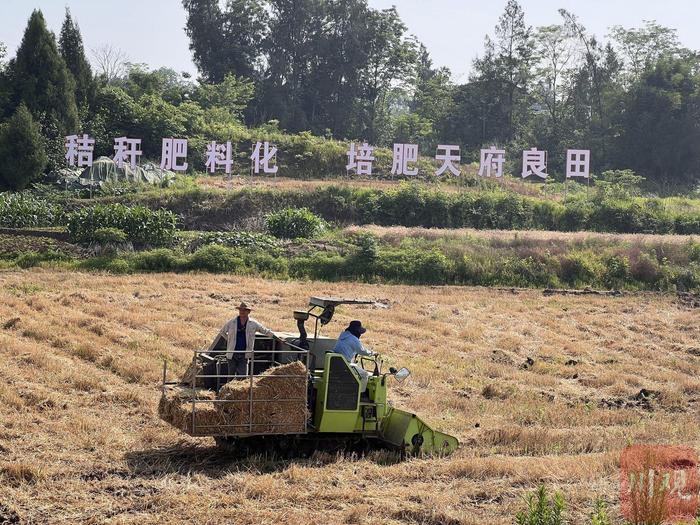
x: 106, y: 264
x: 265, y: 263
x: 23, y: 210
x: 293, y: 223
x: 235, y: 239
x: 413, y: 266
x: 362, y: 256
x: 528, y: 271
x: 694, y: 251
x: 579, y: 269
x: 160, y: 260
x: 142, y: 226
x: 646, y: 269
x: 109, y: 236
x: 216, y: 259
x: 319, y: 266
x: 362, y: 263
x: 617, y: 271
x: 31, y: 258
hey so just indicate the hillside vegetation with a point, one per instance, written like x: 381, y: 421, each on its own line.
x: 427, y: 206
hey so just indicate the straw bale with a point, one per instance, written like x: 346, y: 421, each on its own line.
x: 279, y: 400
x: 175, y: 406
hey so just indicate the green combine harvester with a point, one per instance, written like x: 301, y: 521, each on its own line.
x: 325, y: 409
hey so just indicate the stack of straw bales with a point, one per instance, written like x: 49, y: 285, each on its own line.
x: 279, y: 405
x: 279, y: 400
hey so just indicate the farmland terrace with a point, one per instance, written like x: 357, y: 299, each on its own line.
x: 538, y: 390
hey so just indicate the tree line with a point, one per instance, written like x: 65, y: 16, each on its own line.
x: 342, y: 69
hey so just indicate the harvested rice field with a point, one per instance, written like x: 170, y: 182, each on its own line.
x: 539, y: 389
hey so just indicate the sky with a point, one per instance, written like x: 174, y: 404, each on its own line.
x: 151, y: 31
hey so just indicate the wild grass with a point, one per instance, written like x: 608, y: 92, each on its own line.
x: 80, y: 440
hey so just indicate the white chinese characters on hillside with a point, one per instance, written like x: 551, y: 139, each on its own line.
x: 578, y: 163
x: 174, y: 149
x: 218, y: 156
x: 269, y: 153
x: 491, y: 162
x: 404, y: 154
x: 126, y: 149
x: 360, y: 161
x: 448, y: 158
x: 534, y: 163
x: 79, y: 150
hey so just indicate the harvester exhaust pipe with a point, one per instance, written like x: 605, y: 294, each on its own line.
x: 301, y: 318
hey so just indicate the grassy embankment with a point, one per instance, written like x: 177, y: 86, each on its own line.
x: 434, y: 250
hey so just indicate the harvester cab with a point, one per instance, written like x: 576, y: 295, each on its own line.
x: 299, y: 395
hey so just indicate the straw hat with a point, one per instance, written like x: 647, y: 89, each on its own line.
x: 244, y: 306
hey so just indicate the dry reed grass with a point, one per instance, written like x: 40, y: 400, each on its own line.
x: 395, y: 234
x: 103, y: 455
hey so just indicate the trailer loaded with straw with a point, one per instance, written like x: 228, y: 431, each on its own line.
x: 298, y: 396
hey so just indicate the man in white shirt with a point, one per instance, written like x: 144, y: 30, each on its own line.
x: 240, y: 340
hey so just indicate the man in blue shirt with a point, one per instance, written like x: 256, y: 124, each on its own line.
x: 349, y: 346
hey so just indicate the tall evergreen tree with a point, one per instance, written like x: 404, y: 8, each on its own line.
x: 514, y: 57
x: 73, y: 52
x: 41, y: 80
x: 22, y: 156
x: 486, y: 102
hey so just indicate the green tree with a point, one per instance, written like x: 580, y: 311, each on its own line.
x: 557, y: 54
x: 335, y: 82
x: 232, y: 94
x: 5, y: 87
x: 642, y: 47
x: 390, y: 58
x: 514, y: 57
x: 481, y: 115
x: 114, y: 114
x: 164, y: 82
x: 157, y: 119
x: 22, y: 156
x: 41, y: 80
x: 433, y: 100
x: 593, y: 95
x: 73, y: 52
x: 658, y: 123
x: 292, y: 49
x: 225, y: 41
